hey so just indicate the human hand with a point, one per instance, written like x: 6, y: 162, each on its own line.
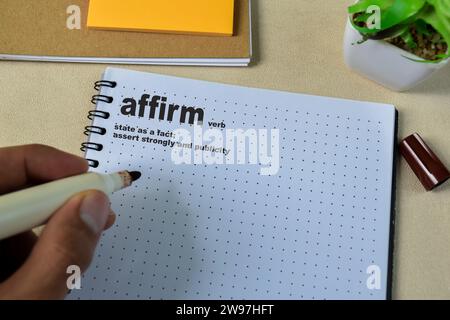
x: 35, y: 268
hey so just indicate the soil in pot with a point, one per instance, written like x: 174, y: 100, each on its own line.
x: 429, y: 45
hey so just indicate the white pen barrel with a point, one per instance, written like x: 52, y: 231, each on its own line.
x: 23, y: 210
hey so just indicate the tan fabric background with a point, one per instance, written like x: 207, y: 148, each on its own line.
x: 298, y: 46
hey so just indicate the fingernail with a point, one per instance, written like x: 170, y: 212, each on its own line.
x: 94, y: 211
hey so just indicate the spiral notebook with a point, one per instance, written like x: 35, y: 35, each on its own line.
x: 245, y: 193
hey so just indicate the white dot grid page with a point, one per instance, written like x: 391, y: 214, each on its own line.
x: 227, y: 232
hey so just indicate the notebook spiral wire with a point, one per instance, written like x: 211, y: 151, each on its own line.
x: 90, y: 130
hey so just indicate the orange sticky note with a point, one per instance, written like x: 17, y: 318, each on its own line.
x: 211, y: 17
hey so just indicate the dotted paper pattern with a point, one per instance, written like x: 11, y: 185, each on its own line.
x: 227, y: 232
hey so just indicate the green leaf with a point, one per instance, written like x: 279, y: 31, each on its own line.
x: 362, y: 6
x: 438, y: 21
x: 441, y: 6
x: 398, y: 16
x: 393, y: 12
x: 401, y: 11
x: 408, y: 38
x: 421, y: 27
x: 362, y: 18
x: 393, y: 32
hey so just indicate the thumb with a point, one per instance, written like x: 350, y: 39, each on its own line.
x: 69, y: 238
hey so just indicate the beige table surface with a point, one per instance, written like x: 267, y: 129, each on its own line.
x: 298, y: 46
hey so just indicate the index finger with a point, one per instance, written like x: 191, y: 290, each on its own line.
x: 25, y: 165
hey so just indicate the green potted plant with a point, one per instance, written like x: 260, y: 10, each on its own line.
x: 397, y: 43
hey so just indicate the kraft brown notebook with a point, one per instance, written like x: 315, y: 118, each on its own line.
x: 46, y: 30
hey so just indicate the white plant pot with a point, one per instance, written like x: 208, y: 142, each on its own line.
x: 385, y: 63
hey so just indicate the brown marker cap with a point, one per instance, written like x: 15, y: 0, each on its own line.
x: 422, y: 160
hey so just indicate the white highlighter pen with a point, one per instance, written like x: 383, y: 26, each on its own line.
x: 26, y: 209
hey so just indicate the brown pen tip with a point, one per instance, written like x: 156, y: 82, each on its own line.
x: 135, y: 175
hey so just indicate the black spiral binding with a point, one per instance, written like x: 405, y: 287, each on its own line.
x: 90, y: 130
